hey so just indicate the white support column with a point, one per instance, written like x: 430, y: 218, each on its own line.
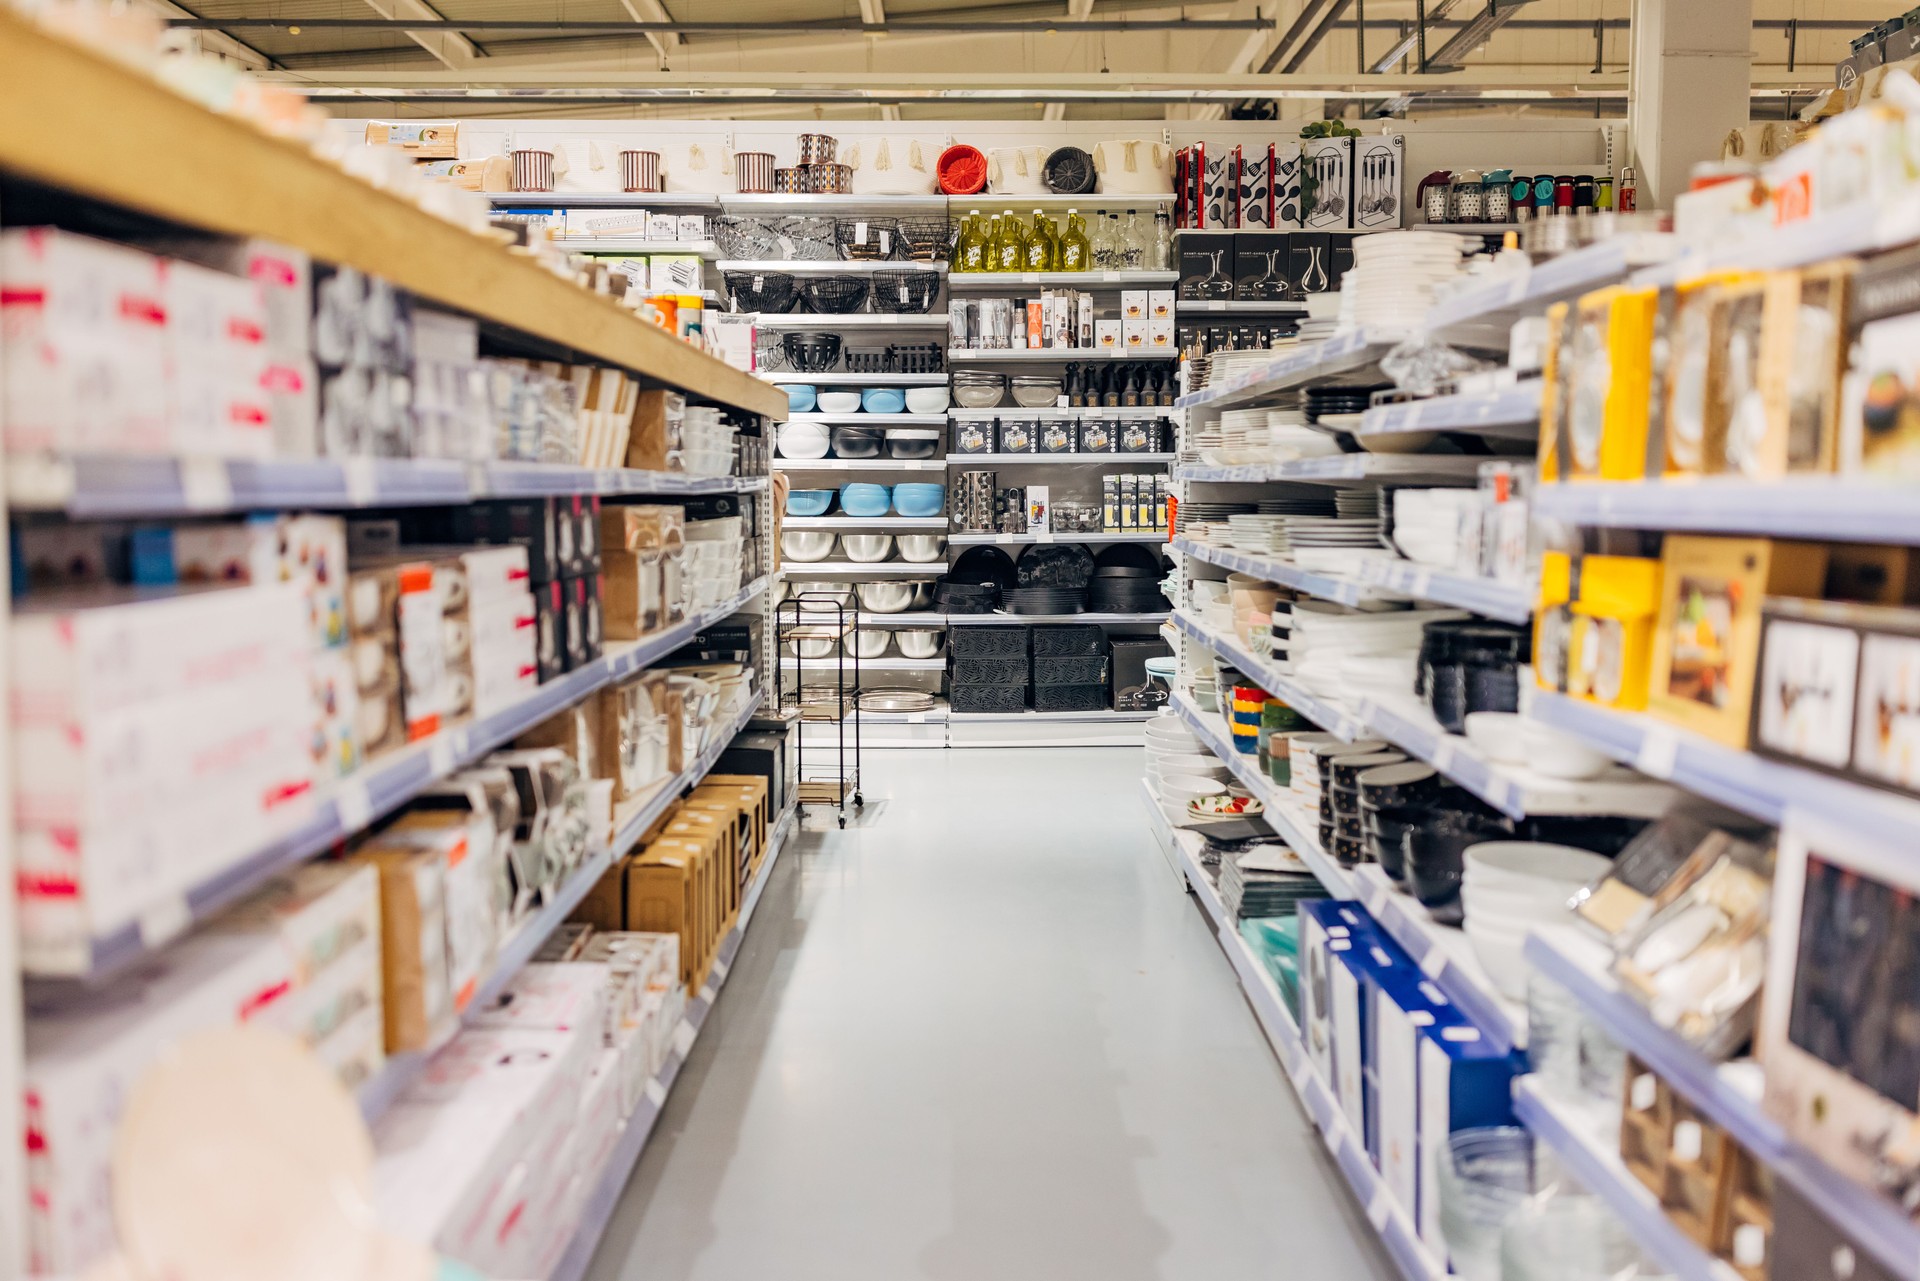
x: 1691, y: 76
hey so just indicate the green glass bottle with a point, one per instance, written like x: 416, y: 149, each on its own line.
x: 1039, y: 250
x: 1012, y: 250
x: 970, y: 252
x: 1076, y: 252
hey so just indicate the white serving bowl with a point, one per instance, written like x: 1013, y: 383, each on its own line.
x: 885, y: 598
x: 1172, y: 734
x: 1558, y: 755
x: 805, y: 440
x: 927, y: 400
x: 1208, y: 766
x: 1503, y: 956
x: 918, y: 642
x: 806, y: 545
x: 839, y: 402
x: 866, y: 548
x: 1500, y: 736
x: 1521, y: 866
x: 867, y: 642
x: 921, y: 548
x: 1178, y: 789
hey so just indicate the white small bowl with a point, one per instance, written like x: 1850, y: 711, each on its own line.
x: 804, y: 440
x: 1198, y: 766
x: 1500, y: 736
x: 1178, y: 789
x: 839, y: 402
x: 927, y: 400
x: 1558, y: 755
x: 1522, y: 865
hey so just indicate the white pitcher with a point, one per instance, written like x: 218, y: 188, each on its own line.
x: 1133, y: 166
x: 1017, y: 171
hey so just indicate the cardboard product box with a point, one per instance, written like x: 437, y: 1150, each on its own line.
x: 417, y: 1001
x: 85, y: 364
x: 1106, y: 334
x: 718, y: 829
x: 1160, y: 335
x: 633, y: 587
x: 550, y: 630
x: 1312, y: 259
x: 753, y: 791
x: 1207, y: 266
x: 470, y: 878
x: 1327, y: 184
x: 1133, y: 691
x: 664, y: 893
x: 316, y: 914
x: 1133, y: 336
x: 657, y: 420
x: 1160, y: 304
x: 1327, y: 927
x: 1379, y: 202
x: 763, y: 754
x: 532, y: 523
x: 83, y: 1061
x: 308, y: 551
x: 663, y: 227
x: 1261, y: 262
x: 1340, y: 251
x: 424, y: 140
x: 1133, y: 304
x: 676, y: 273
x: 550, y: 998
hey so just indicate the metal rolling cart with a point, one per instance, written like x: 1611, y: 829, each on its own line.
x: 815, y: 616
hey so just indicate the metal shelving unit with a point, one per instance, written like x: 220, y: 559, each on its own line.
x: 1349, y: 354
x: 854, y: 320
x: 1512, y: 413
x: 1042, y: 355
x: 997, y: 281
x: 1844, y: 508
x: 1057, y: 460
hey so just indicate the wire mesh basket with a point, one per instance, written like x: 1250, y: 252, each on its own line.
x: 988, y: 698
x: 917, y: 358
x: 1071, y: 698
x: 923, y: 239
x: 905, y: 292
x: 812, y: 353
x: 763, y: 291
x: 1081, y: 669
x: 798, y: 238
x: 988, y: 642
x: 866, y: 239
x: 835, y: 295
x: 1074, y: 639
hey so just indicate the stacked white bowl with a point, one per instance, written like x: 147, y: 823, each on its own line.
x: 1179, y: 766
x: 706, y: 442
x: 1511, y: 887
x: 714, y: 558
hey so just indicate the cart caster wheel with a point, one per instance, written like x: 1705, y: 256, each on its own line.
x: 859, y: 801
x: 843, y: 820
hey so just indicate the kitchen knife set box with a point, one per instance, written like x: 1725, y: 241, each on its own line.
x: 1317, y: 184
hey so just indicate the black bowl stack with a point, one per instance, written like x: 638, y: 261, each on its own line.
x: 1071, y: 669
x: 987, y: 669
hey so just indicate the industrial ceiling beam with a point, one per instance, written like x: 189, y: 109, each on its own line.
x: 430, y: 31
x: 651, y: 12
x: 215, y: 41
x: 873, y: 12
x: 1312, y: 40
x: 651, y: 26
x: 1407, y: 43
x: 1477, y: 32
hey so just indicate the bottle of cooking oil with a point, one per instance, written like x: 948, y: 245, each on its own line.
x: 1076, y: 252
x: 1011, y: 255
x: 1039, y: 254
x: 970, y: 250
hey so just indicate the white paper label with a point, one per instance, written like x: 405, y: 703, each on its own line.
x: 165, y: 921
x: 1030, y: 278
x: 1433, y: 962
x: 1658, y: 753
x: 656, y: 1092
x: 916, y: 718
x: 440, y: 755
x: 353, y: 805
x: 1443, y: 754
x: 1379, y: 1208
x: 204, y: 484
x: 683, y: 1037
x: 478, y: 480
x: 362, y: 484
x: 1003, y: 538
x: 719, y: 970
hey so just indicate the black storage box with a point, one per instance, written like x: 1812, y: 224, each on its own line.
x: 1133, y: 690
x: 1262, y: 265
x: 766, y: 752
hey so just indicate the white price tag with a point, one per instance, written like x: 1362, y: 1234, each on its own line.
x: 1371, y: 894
x: 1003, y: 538
x: 165, y: 921
x: 353, y: 805
x: 1422, y: 584
x: 719, y: 970
x: 1658, y: 753
x: 1379, y: 1208
x: 1334, y: 1135
x: 1109, y: 277
x: 916, y: 718
x: 656, y: 1092
x: 1043, y: 536
x: 1443, y: 754
x: 440, y: 755
x: 1030, y: 278
x: 683, y: 1037
x: 204, y: 484
x: 1433, y: 962
x: 479, y: 481
x: 363, y: 487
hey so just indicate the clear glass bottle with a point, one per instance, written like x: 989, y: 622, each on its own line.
x: 1102, y: 241
x: 1136, y: 237
x: 1161, y: 259
x: 1117, y: 236
x: 1076, y: 252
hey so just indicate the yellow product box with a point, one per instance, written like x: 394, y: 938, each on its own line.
x: 1610, y: 640
x: 1608, y: 384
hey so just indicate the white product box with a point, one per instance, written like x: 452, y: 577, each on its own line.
x: 598, y: 1124
x: 308, y: 551
x: 335, y: 711
x: 1160, y: 334
x: 471, y: 872
x: 675, y: 273
x: 690, y: 227
x: 1160, y: 304
x: 663, y: 227
x: 84, y: 366
x: 441, y: 338
x: 497, y: 572
x: 1133, y: 304
x: 312, y: 1011
x: 732, y: 339
x: 1133, y: 335
x: 596, y: 223
x: 318, y: 913
x: 560, y: 997
x: 1039, y: 511
x: 83, y: 1062
x: 217, y: 363
x: 634, y: 268
x: 1106, y: 334
x: 357, y: 1049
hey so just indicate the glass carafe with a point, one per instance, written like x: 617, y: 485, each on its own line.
x: 1039, y: 254
x: 1162, y: 257
x: 1135, y: 236
x: 1011, y: 253
x: 1076, y: 252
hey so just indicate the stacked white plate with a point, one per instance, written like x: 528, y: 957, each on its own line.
x: 1512, y: 887
x: 1428, y: 523
x: 1174, y: 753
x: 1324, y: 634
x: 1397, y: 274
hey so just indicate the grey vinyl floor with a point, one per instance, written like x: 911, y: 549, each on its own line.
x: 984, y: 1035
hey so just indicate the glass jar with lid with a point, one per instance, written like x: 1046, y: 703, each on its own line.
x: 1468, y: 196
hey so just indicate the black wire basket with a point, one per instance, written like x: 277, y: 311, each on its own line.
x: 762, y: 291
x: 869, y: 360
x: 905, y: 292
x: 812, y: 353
x: 866, y: 239
x: 988, y: 642
x: 923, y: 240
x: 834, y: 295
x: 1077, y: 640
x: 918, y: 358
x: 1082, y: 670
x: 989, y: 671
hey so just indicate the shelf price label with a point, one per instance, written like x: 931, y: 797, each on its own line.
x: 205, y: 485
x: 1659, y: 752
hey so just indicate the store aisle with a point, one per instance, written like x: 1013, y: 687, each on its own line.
x: 984, y: 1036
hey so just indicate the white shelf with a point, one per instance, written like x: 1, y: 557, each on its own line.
x: 1498, y: 303
x: 377, y: 789
x: 1028, y: 620
x: 851, y: 524
x: 990, y: 281
x: 858, y: 464
x: 1134, y: 414
x: 853, y: 320
x: 859, y: 418
x: 822, y: 267
x: 1338, y: 468
x: 689, y: 200
x: 1342, y: 354
x: 1575, y: 1138
x: 638, y: 1128
x: 1241, y: 306
x: 1333, y: 587
x: 1348, y: 1151
x: 812, y: 571
x: 638, y: 246
x: 1330, y: 716
x: 843, y: 378
x: 379, y: 1093
x: 1143, y: 202
x: 888, y: 664
x: 1811, y: 507
x: 1064, y: 536
x: 805, y: 204
x: 1039, y: 355
x: 1512, y: 413
x: 1057, y: 460
x: 1727, y: 1094
x: 1484, y: 596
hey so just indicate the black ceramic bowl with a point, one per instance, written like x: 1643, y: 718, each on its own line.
x: 1436, y: 849
x: 1348, y: 769
x: 1349, y: 851
x: 1326, y: 835
x: 1348, y: 827
x: 1407, y: 784
x: 1386, y: 831
x: 1323, y: 752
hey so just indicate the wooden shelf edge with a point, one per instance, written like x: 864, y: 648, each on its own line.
x: 153, y: 151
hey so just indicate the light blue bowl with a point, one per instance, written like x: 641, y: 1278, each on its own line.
x: 920, y: 499
x: 883, y: 400
x: 867, y: 501
x: 801, y: 397
x: 809, y: 502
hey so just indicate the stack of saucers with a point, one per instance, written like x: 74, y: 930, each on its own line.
x: 1396, y: 275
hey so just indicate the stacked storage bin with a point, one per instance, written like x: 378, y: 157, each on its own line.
x: 1070, y: 669
x: 987, y: 670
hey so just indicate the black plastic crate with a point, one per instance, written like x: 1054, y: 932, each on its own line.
x: 987, y: 698
x: 1074, y: 638
x: 989, y: 642
x: 989, y: 671
x: 1081, y: 669
x: 1071, y: 698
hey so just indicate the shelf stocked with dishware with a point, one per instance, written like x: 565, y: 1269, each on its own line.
x: 798, y: 570
x: 1333, y: 587
x: 991, y: 281
x: 848, y: 378
x: 1510, y: 413
x: 1728, y: 1095
x: 1240, y: 306
x: 1063, y: 413
x: 860, y: 418
x: 1498, y: 302
x: 961, y: 539
x: 1845, y: 508
x: 1056, y: 460
x: 852, y: 320
x: 831, y: 203
x: 1334, y: 468
x: 1488, y: 597
x: 935, y: 524
x: 705, y: 250
x: 829, y: 465
x: 1342, y: 356
x: 1096, y: 617
x: 823, y: 266
x: 885, y: 664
